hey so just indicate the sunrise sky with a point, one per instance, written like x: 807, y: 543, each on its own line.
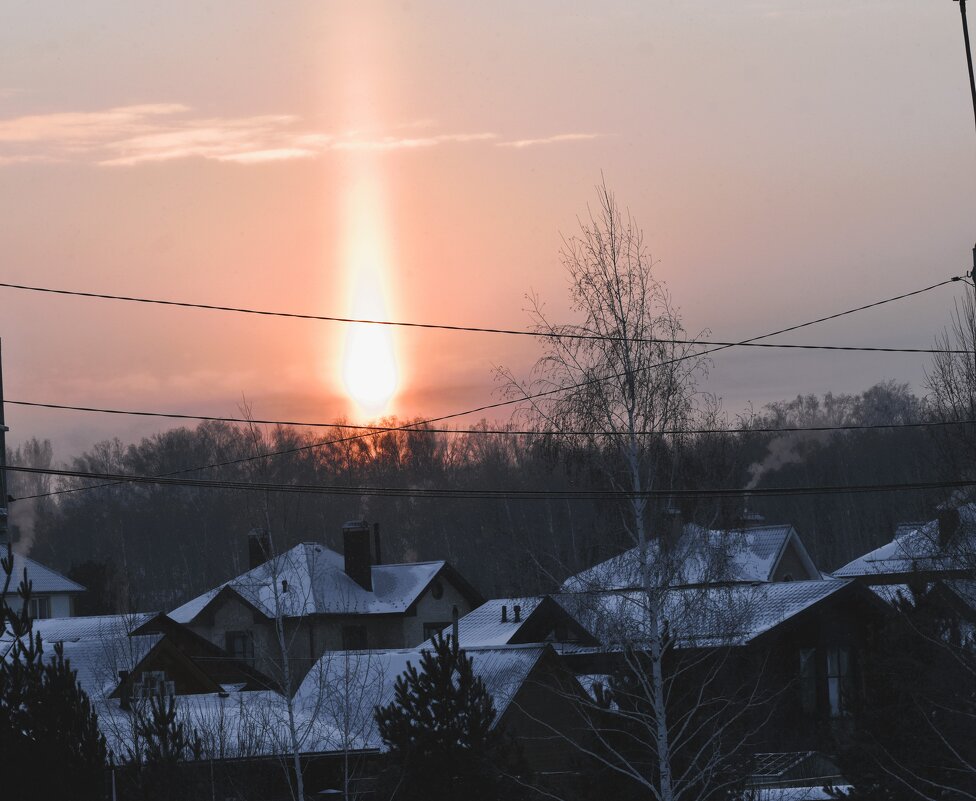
x: 419, y: 161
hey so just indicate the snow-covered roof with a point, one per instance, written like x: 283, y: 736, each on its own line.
x: 369, y: 678
x: 699, y: 556
x: 484, y: 627
x: 43, y: 579
x: 74, y: 629
x: 699, y: 617
x: 919, y: 549
x: 316, y: 583
x: 97, y: 647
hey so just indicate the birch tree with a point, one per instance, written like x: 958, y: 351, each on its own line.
x: 618, y: 382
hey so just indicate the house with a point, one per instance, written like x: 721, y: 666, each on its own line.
x: 944, y: 548
x: 326, y: 601
x: 52, y: 594
x: 697, y: 556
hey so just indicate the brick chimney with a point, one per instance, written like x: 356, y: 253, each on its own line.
x: 358, y: 553
x: 948, y: 526
x: 258, y: 547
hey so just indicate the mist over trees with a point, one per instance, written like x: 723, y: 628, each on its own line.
x: 159, y: 545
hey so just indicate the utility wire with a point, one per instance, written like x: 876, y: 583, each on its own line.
x: 482, y: 330
x: 525, y: 397
x: 490, y: 431
x: 443, y: 492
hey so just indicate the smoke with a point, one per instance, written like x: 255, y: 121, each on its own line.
x: 781, y: 451
x: 22, y: 521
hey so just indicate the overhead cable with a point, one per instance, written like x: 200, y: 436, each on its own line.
x: 378, y: 429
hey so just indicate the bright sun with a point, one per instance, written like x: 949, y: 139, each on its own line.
x: 369, y: 370
x: 369, y: 365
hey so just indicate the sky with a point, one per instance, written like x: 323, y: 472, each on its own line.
x: 421, y: 161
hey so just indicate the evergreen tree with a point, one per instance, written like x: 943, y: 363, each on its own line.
x: 439, y: 731
x: 45, y: 716
x: 163, y: 743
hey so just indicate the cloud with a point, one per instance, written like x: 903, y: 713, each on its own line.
x: 549, y: 140
x: 126, y: 136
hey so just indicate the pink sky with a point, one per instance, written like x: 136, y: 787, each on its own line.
x: 785, y: 159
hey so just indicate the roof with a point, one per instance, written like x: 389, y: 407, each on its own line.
x: 484, y: 627
x: 703, y: 617
x: 700, y: 556
x: 371, y: 677
x: 43, y: 579
x: 97, y: 647
x: 540, y: 619
x: 919, y: 549
x: 316, y: 583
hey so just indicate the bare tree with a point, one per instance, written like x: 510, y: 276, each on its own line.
x: 619, y: 382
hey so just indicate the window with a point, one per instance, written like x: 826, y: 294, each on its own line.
x: 354, y: 638
x: 808, y: 680
x: 240, y: 645
x: 430, y: 629
x: 40, y: 608
x: 437, y: 590
x: 152, y: 683
x: 840, y: 683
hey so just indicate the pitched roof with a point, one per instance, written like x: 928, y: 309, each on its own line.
x: 483, y: 627
x: 733, y: 615
x: 43, y: 579
x: 370, y: 677
x: 97, y: 647
x: 317, y: 583
x: 700, y: 556
x: 919, y: 549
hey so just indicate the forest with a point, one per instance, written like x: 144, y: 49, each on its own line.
x: 146, y: 547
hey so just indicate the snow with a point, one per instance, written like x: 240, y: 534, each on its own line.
x: 700, y: 556
x: 484, y: 627
x: 731, y: 615
x: 317, y: 584
x: 919, y: 549
x: 43, y: 579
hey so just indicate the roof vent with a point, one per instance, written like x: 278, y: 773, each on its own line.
x: 517, y: 612
x: 504, y: 614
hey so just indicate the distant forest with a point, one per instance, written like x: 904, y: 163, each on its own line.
x: 150, y: 547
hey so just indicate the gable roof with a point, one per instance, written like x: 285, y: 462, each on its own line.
x: 43, y: 579
x: 371, y: 678
x: 538, y: 615
x: 707, y: 617
x: 701, y: 556
x: 317, y: 584
x: 919, y: 549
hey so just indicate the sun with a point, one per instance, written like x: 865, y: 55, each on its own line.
x: 369, y: 371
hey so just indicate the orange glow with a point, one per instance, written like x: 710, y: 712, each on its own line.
x: 369, y: 363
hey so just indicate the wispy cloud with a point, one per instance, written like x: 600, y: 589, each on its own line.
x: 549, y: 140
x: 129, y: 135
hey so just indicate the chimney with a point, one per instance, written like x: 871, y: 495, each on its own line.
x: 125, y: 691
x: 517, y: 613
x: 258, y: 547
x: 356, y: 550
x: 377, y: 559
x: 948, y: 526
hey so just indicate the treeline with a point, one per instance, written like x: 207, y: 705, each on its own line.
x: 140, y: 546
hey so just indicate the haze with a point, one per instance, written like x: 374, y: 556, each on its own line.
x: 786, y: 160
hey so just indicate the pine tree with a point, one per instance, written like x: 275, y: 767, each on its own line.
x: 163, y: 743
x: 45, y: 716
x: 439, y: 730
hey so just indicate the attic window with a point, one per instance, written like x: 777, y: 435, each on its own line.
x: 240, y: 645
x: 437, y: 590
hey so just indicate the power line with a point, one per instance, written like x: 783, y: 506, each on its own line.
x: 479, y: 329
x: 490, y: 431
x: 526, y: 396
x: 471, y: 494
